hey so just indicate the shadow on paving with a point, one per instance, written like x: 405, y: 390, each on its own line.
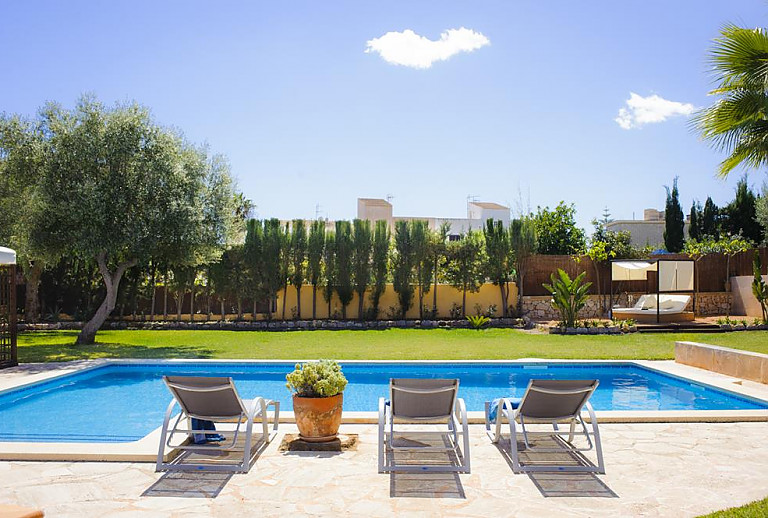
x: 425, y: 485
x: 558, y: 483
x: 571, y: 485
x: 189, y: 484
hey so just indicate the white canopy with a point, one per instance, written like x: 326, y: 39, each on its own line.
x: 673, y: 275
x: 631, y: 270
x: 7, y: 256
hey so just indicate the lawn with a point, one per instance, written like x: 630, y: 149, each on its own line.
x: 757, y: 509
x: 392, y: 344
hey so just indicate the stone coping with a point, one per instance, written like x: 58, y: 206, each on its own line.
x: 145, y: 449
x: 748, y: 365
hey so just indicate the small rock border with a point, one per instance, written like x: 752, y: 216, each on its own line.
x: 287, y: 325
x: 610, y: 330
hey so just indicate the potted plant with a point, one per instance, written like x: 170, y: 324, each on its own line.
x: 317, y: 399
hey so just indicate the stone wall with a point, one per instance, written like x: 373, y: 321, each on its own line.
x: 540, y: 307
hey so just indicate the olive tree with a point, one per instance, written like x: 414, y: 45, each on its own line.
x: 118, y: 188
x: 22, y: 154
x: 499, y: 258
x: 464, y: 271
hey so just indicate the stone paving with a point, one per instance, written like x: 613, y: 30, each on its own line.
x: 682, y: 469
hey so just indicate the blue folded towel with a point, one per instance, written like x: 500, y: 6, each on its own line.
x: 493, y: 409
x: 202, y: 438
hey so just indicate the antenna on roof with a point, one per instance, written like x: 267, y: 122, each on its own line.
x: 390, y: 197
x: 317, y: 211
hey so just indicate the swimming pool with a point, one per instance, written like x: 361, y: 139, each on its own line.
x: 122, y: 402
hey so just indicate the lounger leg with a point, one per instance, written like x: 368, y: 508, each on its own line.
x: 160, y: 465
x: 462, y: 410
x: 382, y: 434
x: 512, y: 440
x: 258, y: 402
x: 598, y: 442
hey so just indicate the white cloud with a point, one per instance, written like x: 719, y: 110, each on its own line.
x: 649, y: 110
x: 411, y: 50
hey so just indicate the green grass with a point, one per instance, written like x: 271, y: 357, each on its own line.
x: 757, y: 509
x: 392, y: 344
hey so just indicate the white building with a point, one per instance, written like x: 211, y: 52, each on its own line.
x: 375, y: 209
x: 648, y: 231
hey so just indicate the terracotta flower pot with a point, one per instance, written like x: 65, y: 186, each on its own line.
x: 318, y: 418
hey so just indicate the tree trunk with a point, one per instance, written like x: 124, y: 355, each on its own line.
x: 343, y: 311
x: 179, y: 303
x: 209, y: 311
x: 239, y: 308
x: 165, y: 296
x: 32, y: 300
x: 112, y: 283
x: 519, y: 295
x: 329, y: 306
x: 600, y: 296
x: 360, y: 299
x: 434, y: 292
x: 223, y: 311
x: 464, y: 302
x: 192, y: 304
x: 421, y: 292
x: 314, y: 301
x: 502, y: 287
x: 285, y: 298
x: 154, y: 297
x: 298, y: 302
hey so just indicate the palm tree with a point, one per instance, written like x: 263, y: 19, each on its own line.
x: 738, y: 122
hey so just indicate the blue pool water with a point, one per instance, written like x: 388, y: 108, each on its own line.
x: 124, y: 402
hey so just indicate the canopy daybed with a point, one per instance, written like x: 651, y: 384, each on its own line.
x: 675, y: 285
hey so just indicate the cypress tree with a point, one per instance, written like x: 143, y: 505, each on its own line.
x: 380, y: 257
x: 741, y: 213
x: 710, y: 219
x: 344, y: 265
x: 695, y: 231
x: 673, y: 221
x: 361, y: 256
x: 315, y: 248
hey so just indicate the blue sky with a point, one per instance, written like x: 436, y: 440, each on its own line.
x: 306, y: 116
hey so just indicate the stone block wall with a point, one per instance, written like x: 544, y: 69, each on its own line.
x: 540, y: 307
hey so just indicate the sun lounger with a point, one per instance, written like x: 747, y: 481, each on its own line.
x: 214, y: 400
x: 423, y: 401
x: 554, y: 402
x: 671, y: 307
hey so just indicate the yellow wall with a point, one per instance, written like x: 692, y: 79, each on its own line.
x: 446, y: 297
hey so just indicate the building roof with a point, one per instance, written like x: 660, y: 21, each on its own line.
x: 489, y: 205
x: 375, y: 201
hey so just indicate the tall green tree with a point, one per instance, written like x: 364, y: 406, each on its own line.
x: 24, y: 150
x: 253, y: 262
x: 298, y: 253
x: 524, y: 243
x: 315, y: 247
x: 362, y: 240
x: 118, y: 188
x: 674, y: 224
x: 438, y: 252
x: 271, y: 261
x: 499, y: 258
x: 380, y: 260
x: 741, y: 213
x: 556, y: 231
x: 736, y: 122
x: 761, y: 213
x: 402, y: 266
x: 696, y: 226
x: 343, y: 254
x: 710, y: 219
x: 465, y: 268
x: 420, y: 246
x: 331, y: 271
